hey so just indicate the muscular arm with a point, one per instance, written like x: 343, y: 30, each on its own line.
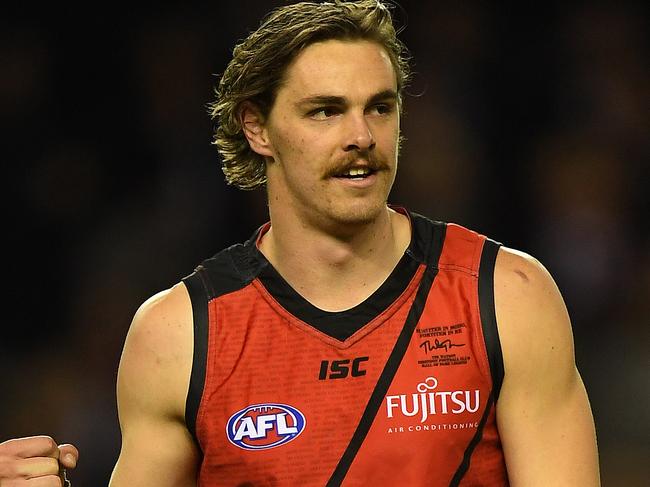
x: 157, y: 449
x: 543, y: 412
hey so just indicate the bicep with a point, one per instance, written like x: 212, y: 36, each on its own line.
x: 153, y: 377
x: 543, y: 412
x: 549, y: 441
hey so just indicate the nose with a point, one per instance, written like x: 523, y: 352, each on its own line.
x: 359, y: 134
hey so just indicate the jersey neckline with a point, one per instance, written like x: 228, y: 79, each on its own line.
x: 341, y: 325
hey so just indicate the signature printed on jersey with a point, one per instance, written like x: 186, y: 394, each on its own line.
x: 437, y: 344
x: 440, y: 342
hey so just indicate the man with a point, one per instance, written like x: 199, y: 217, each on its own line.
x: 348, y: 342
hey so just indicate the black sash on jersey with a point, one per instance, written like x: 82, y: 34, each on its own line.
x: 394, y: 360
x: 492, y: 345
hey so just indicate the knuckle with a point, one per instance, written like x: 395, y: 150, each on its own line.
x: 52, y: 465
x: 49, y: 443
x: 41, y: 442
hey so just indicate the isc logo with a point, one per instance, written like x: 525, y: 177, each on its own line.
x: 340, y: 369
x: 263, y: 426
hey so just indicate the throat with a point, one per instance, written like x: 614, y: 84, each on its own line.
x: 334, y: 275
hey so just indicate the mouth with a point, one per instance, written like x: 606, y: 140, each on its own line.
x: 356, y: 173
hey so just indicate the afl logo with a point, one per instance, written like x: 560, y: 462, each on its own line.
x: 264, y: 426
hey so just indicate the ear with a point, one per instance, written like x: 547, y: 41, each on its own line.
x: 252, y: 123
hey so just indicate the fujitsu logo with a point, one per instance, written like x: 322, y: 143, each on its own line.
x: 428, y: 402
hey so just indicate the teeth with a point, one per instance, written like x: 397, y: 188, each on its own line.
x: 358, y: 171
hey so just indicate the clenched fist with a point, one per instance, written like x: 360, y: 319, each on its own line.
x: 35, y: 461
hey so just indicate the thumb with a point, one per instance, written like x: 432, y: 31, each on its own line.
x: 68, y: 455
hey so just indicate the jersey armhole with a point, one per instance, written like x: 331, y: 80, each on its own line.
x: 199, y: 298
x: 488, y: 313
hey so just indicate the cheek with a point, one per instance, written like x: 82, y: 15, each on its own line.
x: 287, y: 140
x: 291, y: 151
x: 386, y: 134
x: 299, y: 151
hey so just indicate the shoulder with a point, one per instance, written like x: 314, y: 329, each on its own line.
x: 518, y: 274
x: 157, y: 356
x: 522, y: 285
x: 164, y: 310
x: 162, y: 322
x: 534, y: 326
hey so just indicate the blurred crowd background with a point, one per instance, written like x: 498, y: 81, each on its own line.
x: 530, y: 125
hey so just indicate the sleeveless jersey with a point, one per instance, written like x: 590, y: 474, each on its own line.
x: 397, y: 391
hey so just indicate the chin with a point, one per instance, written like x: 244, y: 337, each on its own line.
x: 358, y: 214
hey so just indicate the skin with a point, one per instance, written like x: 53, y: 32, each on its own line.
x: 35, y: 461
x: 336, y: 110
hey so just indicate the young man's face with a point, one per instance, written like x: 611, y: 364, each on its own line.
x: 333, y: 134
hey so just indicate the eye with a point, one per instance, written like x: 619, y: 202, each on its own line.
x: 382, y: 108
x: 323, y: 113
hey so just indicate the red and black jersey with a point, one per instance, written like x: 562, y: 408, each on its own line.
x: 399, y: 390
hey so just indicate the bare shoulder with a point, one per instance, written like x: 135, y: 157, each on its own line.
x: 157, y: 357
x: 534, y: 325
x: 163, y: 318
x: 518, y: 274
x: 525, y: 291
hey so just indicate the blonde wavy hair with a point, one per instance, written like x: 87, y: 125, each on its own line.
x: 259, y: 62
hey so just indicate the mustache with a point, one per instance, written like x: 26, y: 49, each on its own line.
x: 357, y: 159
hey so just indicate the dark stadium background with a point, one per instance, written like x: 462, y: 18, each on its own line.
x: 528, y: 125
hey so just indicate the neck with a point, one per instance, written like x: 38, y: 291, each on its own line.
x: 336, y: 270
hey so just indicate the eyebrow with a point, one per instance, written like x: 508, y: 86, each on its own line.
x: 385, y: 95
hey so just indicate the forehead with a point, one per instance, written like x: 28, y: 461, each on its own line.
x: 341, y: 68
